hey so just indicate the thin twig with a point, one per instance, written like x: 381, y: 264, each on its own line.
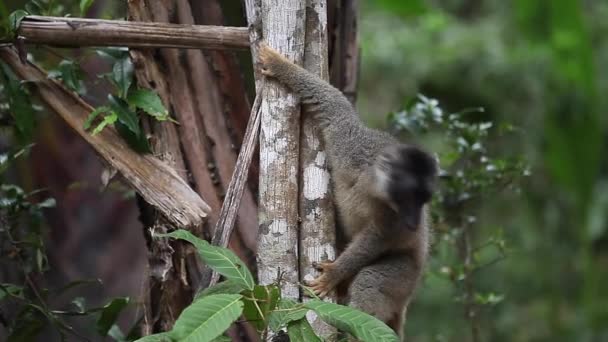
x: 228, y: 214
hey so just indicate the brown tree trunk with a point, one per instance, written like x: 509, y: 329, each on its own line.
x: 193, y: 85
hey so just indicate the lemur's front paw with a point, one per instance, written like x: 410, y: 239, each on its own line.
x: 320, y: 286
x: 323, y: 284
x: 266, y: 55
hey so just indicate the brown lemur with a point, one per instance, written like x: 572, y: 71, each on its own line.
x: 381, y: 189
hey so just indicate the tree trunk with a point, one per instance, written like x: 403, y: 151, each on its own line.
x: 202, y: 147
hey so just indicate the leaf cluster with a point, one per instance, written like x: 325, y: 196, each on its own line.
x: 216, y: 308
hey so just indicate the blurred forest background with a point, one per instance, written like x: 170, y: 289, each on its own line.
x: 513, y: 102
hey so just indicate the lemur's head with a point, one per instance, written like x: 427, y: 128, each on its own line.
x: 405, y: 178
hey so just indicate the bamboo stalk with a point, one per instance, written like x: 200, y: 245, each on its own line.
x: 79, y: 32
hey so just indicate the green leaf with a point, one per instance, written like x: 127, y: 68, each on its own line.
x: 110, y: 313
x: 20, y: 104
x: 266, y: 298
x: 287, y: 310
x: 149, y: 102
x: 225, y: 287
x: 138, y: 142
x: 29, y: 323
x: 79, y: 302
x: 207, y: 318
x: 84, y: 6
x: 14, y: 20
x: 10, y: 290
x: 125, y: 115
x: 162, y: 337
x: 71, y: 75
x: 93, y: 115
x: 222, y: 338
x: 122, y: 75
x: 359, y: 324
x: 301, y: 331
x: 107, y: 120
x: 221, y: 260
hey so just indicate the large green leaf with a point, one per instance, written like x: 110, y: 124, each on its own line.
x: 138, y: 142
x: 259, y: 303
x: 124, y: 113
x: 301, y: 331
x: 70, y: 74
x: 359, y: 324
x: 207, y: 318
x: 221, y: 260
x: 110, y: 313
x: 14, y: 20
x: 122, y: 75
x: 149, y: 102
x: 287, y: 310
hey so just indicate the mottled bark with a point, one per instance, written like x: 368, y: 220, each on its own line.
x: 317, y: 227
x: 282, y: 26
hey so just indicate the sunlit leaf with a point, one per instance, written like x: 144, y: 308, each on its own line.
x: 107, y: 120
x: 149, y: 102
x: 93, y: 115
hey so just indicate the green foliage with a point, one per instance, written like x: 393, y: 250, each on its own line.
x: 357, y: 323
x: 521, y: 240
x: 207, y: 318
x: 149, y: 102
x: 259, y: 303
x: 84, y: 6
x: 301, y: 331
x: 19, y: 103
x: 70, y: 73
x: 216, y: 308
x: 109, y: 314
x: 221, y: 260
